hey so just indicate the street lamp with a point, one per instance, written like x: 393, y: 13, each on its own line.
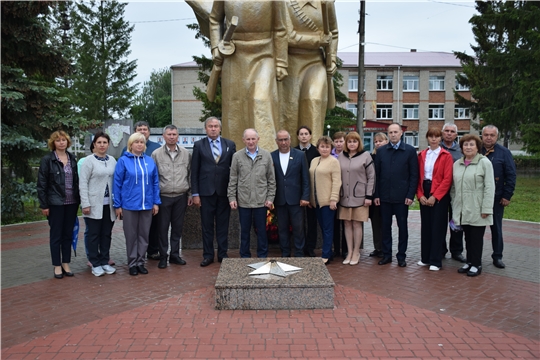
x: 328, y: 127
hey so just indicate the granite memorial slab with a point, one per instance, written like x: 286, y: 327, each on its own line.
x: 311, y: 287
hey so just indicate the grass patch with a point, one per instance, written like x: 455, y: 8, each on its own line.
x: 525, y: 202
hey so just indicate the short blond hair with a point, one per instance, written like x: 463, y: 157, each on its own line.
x: 134, y: 137
x: 57, y: 135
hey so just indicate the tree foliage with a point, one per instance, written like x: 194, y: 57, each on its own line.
x: 503, y: 74
x: 102, y: 82
x: 339, y: 118
x: 153, y: 104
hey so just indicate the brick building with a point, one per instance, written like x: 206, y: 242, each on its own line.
x: 413, y: 88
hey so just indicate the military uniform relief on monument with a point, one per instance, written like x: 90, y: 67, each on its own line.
x: 276, y: 60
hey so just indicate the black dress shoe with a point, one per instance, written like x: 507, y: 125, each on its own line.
x: 177, y: 260
x: 67, y: 273
x: 220, y: 259
x: 375, y: 253
x: 459, y: 258
x: 162, y: 264
x: 464, y: 269
x: 133, y: 270
x: 402, y: 263
x: 58, y: 276
x: 470, y: 273
x: 206, y: 262
x: 310, y: 253
x: 142, y: 269
x: 498, y: 263
x: 385, y: 260
x: 155, y: 256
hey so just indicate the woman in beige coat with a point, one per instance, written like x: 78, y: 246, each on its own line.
x: 325, y: 178
x: 473, y: 193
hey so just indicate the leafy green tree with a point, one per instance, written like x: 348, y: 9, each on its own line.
x: 503, y: 74
x: 153, y: 103
x: 102, y: 38
x: 33, y: 104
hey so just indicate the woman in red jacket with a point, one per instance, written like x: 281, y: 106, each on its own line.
x: 433, y: 192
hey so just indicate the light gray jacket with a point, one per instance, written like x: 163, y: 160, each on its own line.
x: 473, y: 192
x: 174, y: 174
x: 252, y: 182
x: 94, y: 177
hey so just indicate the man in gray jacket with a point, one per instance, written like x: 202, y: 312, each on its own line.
x: 252, y: 188
x: 173, y: 163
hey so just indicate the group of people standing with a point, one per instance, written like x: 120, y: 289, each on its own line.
x: 335, y: 183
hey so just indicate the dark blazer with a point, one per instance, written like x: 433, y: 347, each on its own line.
x: 396, y: 173
x: 294, y: 185
x: 207, y: 177
x: 504, y: 170
x: 311, y: 153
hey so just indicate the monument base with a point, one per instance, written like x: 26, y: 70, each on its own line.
x: 310, y: 288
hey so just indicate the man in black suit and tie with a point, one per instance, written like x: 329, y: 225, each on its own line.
x: 292, y: 193
x: 210, y: 169
x: 304, y: 138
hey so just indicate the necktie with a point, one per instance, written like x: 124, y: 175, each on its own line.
x: 395, y: 147
x: 304, y: 149
x: 215, y: 150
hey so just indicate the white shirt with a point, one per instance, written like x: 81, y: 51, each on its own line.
x: 431, y: 157
x: 284, y: 160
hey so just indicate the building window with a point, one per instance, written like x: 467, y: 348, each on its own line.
x: 352, y: 108
x: 436, y: 83
x: 385, y: 82
x: 460, y: 87
x: 384, y: 111
x: 410, y: 83
x: 462, y: 113
x: 411, y: 138
x: 436, y: 112
x: 410, y: 111
x: 353, y: 82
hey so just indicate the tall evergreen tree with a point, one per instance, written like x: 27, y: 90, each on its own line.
x: 503, y: 74
x: 102, y: 81
x: 153, y: 104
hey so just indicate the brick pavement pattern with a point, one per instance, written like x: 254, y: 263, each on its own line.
x: 382, y: 312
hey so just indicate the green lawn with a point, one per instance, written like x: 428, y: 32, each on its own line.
x: 525, y: 203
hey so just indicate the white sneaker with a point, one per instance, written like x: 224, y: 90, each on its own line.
x: 434, y: 268
x: 108, y: 269
x: 98, y: 271
x: 420, y: 263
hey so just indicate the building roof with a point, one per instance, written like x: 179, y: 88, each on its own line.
x: 407, y: 59
x: 393, y: 59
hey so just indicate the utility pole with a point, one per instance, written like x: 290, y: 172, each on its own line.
x: 360, y: 101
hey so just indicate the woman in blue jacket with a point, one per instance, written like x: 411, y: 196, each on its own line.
x: 136, y: 199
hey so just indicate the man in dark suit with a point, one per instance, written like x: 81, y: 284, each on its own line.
x: 396, y: 167
x: 292, y: 193
x: 210, y: 169
x: 304, y: 138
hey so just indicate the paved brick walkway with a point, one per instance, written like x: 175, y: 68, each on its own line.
x: 382, y: 312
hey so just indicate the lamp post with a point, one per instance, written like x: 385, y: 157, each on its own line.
x: 328, y: 133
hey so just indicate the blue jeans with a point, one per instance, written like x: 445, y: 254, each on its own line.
x: 325, y: 216
x: 257, y: 217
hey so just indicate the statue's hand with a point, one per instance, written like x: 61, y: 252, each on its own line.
x: 332, y: 70
x: 217, y: 57
x: 325, y: 40
x: 281, y: 73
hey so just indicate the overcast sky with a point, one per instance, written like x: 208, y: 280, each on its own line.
x: 161, y: 38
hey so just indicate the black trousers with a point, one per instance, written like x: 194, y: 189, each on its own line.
x: 474, y: 242
x: 153, y: 236
x: 171, y: 212
x: 61, y: 221
x: 215, y: 213
x: 433, y: 228
x: 311, y: 230
x: 340, y: 243
x: 98, y: 239
x: 456, y: 237
x: 291, y: 215
x: 376, y: 226
x: 496, y: 231
x: 401, y: 211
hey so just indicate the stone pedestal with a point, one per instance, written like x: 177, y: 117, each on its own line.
x: 310, y: 288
